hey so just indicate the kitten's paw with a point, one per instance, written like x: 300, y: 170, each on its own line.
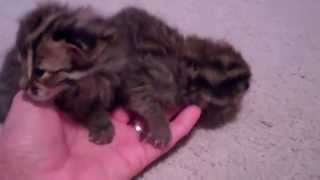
x: 158, y: 138
x: 101, y: 135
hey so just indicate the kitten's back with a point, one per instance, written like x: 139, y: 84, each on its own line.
x: 146, y: 32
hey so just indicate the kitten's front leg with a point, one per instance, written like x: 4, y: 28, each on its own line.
x: 158, y: 132
x: 101, y: 130
x: 83, y: 103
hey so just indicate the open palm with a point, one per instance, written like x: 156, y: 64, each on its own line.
x: 41, y: 143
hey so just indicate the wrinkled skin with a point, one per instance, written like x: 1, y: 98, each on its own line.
x: 40, y: 143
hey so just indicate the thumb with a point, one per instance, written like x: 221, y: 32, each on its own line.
x: 32, y: 132
x: 26, y: 120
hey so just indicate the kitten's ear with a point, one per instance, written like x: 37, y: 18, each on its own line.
x: 35, y: 22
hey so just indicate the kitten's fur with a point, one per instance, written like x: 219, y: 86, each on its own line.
x: 9, y: 81
x: 132, y: 59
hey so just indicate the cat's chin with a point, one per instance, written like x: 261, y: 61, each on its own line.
x: 43, y: 95
x: 40, y: 98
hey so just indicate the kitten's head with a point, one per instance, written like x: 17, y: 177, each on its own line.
x: 49, y: 68
x: 57, y: 46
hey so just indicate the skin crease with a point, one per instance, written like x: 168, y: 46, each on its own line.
x: 41, y: 143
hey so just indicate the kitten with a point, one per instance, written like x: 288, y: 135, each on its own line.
x: 88, y: 65
x: 168, y: 70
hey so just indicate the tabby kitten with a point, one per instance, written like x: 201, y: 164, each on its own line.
x: 87, y: 65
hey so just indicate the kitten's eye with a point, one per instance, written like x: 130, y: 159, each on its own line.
x: 39, y: 72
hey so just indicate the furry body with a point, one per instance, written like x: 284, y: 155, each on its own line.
x: 132, y: 59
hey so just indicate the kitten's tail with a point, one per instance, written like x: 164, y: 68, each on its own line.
x: 219, y: 74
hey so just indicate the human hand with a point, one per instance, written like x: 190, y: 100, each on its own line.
x: 40, y: 143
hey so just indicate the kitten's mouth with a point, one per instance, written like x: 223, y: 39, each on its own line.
x: 40, y: 93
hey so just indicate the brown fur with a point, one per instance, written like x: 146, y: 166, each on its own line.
x: 132, y: 59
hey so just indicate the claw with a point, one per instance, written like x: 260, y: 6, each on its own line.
x: 158, y: 140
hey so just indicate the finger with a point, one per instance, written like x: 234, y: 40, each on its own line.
x: 33, y: 129
x: 184, y: 122
x: 26, y: 120
x: 24, y: 115
x: 120, y: 115
x: 180, y: 127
